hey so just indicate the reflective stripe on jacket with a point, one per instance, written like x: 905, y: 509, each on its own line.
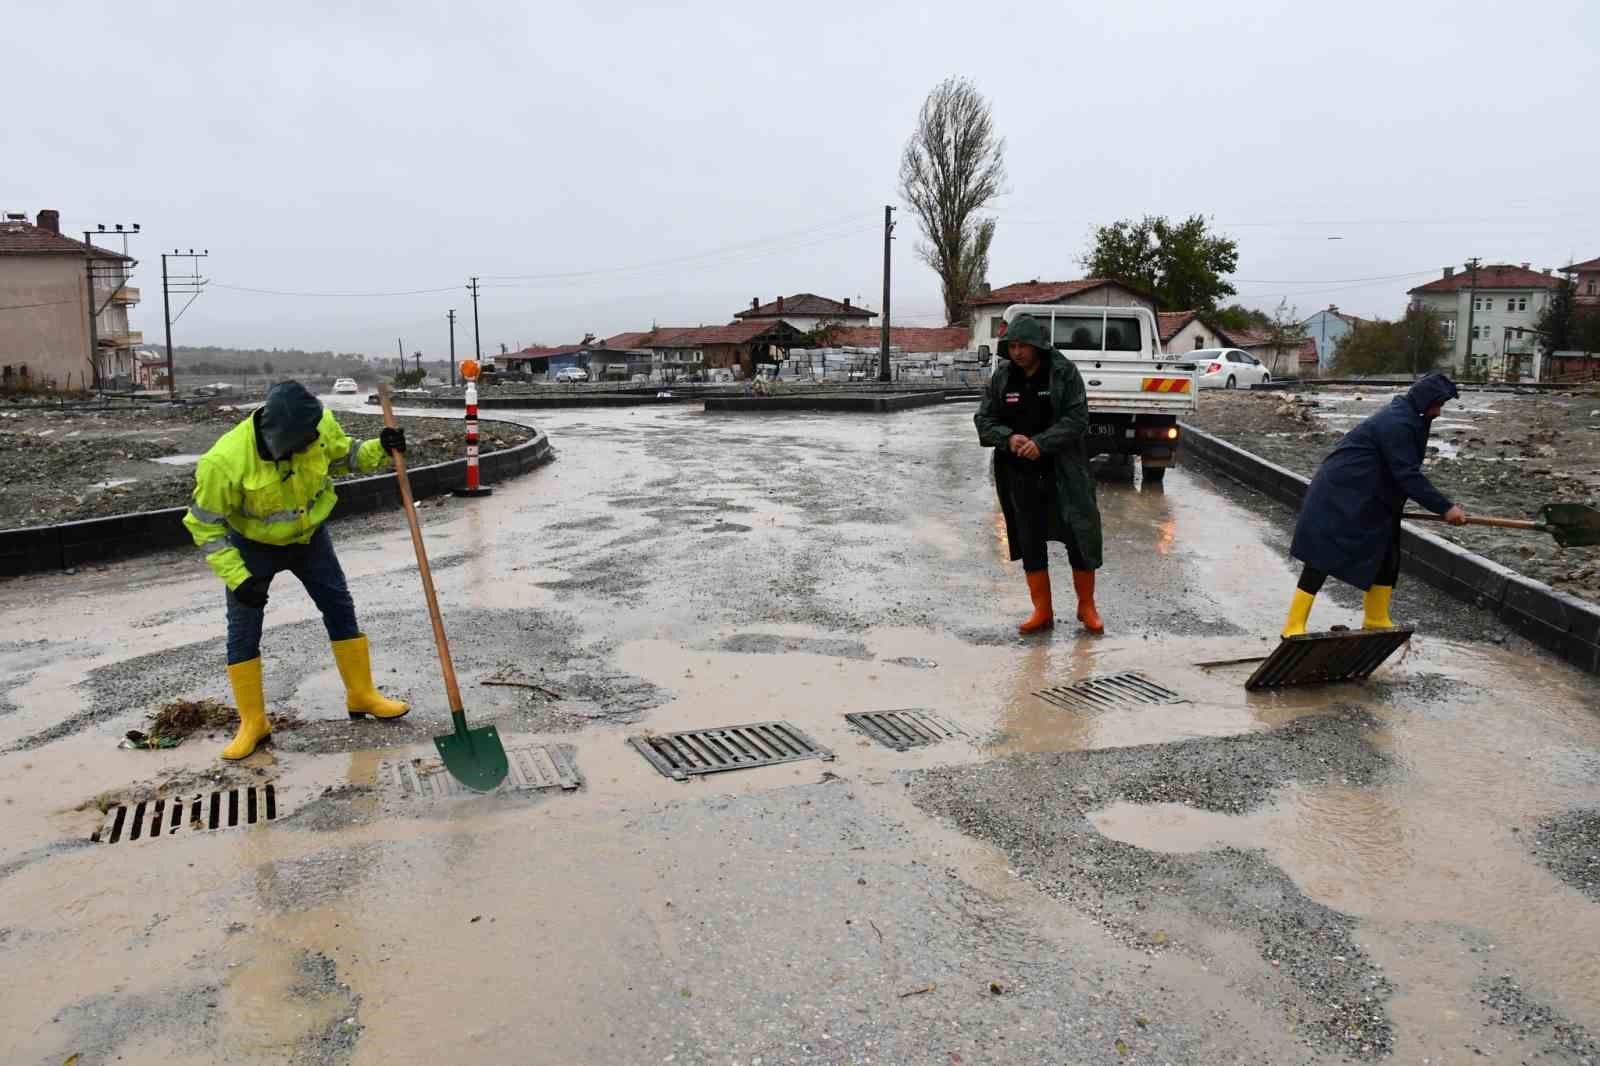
x: 269, y: 501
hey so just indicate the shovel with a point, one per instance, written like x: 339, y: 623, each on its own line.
x: 1572, y: 524
x: 475, y: 757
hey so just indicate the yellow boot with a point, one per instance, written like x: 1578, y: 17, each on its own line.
x: 1299, y: 613
x: 361, y: 696
x: 1376, y: 605
x: 254, y: 728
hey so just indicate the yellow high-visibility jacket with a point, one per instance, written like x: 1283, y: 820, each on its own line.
x: 269, y: 501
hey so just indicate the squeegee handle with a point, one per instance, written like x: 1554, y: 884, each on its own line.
x: 1473, y: 520
x: 451, y: 690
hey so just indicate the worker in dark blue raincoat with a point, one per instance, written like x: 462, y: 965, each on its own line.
x: 1349, y: 525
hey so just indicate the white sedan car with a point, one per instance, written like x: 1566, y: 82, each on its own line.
x: 572, y: 373
x: 346, y: 385
x: 1227, y: 368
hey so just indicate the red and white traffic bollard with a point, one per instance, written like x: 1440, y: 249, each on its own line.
x: 472, y: 488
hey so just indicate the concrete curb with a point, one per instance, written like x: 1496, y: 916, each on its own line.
x: 41, y: 548
x: 1556, y: 621
x: 504, y: 402
x: 820, y: 402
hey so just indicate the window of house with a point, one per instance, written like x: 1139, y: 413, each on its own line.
x: 1589, y: 288
x: 1448, y: 328
x: 997, y: 327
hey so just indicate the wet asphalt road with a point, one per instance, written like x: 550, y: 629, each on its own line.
x: 1393, y: 870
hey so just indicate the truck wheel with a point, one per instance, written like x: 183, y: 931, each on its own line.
x: 1155, y: 475
x: 1233, y: 382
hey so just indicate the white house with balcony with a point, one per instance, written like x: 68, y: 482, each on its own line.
x: 1503, y: 301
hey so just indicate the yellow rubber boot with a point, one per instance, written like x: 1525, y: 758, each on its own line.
x: 1376, y: 606
x: 254, y: 729
x: 1299, y: 613
x: 361, y: 696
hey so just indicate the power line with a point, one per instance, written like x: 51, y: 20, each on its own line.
x: 340, y: 295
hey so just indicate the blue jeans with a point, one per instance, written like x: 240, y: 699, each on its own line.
x: 317, y: 567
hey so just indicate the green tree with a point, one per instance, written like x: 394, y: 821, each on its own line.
x: 1182, y: 264
x: 952, y: 166
x: 409, y: 379
x: 1555, y: 323
x: 1414, y: 345
x: 1240, y: 317
x: 266, y: 366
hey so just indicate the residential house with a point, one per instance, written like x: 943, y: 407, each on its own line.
x: 538, y: 359
x: 903, y: 338
x: 1587, y: 278
x: 738, y: 345
x: 806, y: 311
x: 149, y: 370
x: 1327, y: 329
x: 989, y: 308
x: 45, y: 279
x: 1504, y: 302
x: 1185, y: 331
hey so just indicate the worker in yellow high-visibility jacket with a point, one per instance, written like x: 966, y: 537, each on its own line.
x: 261, y: 496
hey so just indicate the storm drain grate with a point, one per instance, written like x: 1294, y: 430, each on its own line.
x: 1110, y: 692
x: 1320, y: 658
x: 531, y: 769
x: 162, y: 817
x: 904, y: 729
x: 735, y: 747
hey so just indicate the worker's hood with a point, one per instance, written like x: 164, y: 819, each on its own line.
x: 1026, y: 329
x: 1432, y: 389
x: 288, y: 420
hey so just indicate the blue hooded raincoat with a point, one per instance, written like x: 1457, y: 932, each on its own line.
x: 1353, y: 506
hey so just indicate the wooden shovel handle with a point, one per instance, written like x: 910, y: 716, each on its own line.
x: 452, y: 692
x: 1473, y: 520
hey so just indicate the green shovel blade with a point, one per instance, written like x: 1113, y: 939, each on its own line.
x: 475, y: 757
x: 1573, y: 524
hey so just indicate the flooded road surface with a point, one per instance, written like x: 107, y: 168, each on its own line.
x: 1388, y: 870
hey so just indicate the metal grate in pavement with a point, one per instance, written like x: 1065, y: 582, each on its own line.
x: 737, y: 747
x: 171, y: 816
x: 531, y: 769
x: 904, y: 729
x: 1321, y: 658
x: 1109, y: 692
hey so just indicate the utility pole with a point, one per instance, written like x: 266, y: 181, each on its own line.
x: 400, y: 347
x: 1472, y: 299
x: 477, y: 347
x: 193, y: 284
x: 883, y: 336
x: 451, y: 315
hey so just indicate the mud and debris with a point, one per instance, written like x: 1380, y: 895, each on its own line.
x: 318, y: 984
x: 1544, y: 1032
x: 1569, y: 846
x: 1035, y: 806
x: 1500, y: 454
x: 63, y: 464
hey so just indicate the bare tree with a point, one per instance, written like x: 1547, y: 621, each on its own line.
x: 952, y: 166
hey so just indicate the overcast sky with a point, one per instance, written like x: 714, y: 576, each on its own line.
x: 607, y: 166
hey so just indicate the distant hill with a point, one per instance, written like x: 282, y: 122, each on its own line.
x: 230, y: 363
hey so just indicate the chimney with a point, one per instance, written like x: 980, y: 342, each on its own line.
x: 1547, y: 270
x: 1334, y: 308
x: 50, y: 220
x: 1525, y: 266
x: 780, y: 305
x: 755, y: 303
x: 1449, y: 271
x: 847, y: 303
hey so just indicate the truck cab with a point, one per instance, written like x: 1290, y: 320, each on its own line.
x: 1137, y: 392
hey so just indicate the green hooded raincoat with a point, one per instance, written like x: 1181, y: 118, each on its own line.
x: 1062, y: 444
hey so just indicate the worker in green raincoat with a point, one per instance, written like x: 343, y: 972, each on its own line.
x: 261, y: 496
x: 1034, y: 415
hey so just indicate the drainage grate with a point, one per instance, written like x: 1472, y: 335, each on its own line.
x: 1109, y: 692
x: 1320, y: 658
x: 904, y: 729
x: 531, y: 769
x: 736, y: 747
x: 223, y: 809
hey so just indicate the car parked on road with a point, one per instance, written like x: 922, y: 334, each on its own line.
x: 1227, y: 368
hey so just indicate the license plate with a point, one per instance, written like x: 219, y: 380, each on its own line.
x: 1106, y: 430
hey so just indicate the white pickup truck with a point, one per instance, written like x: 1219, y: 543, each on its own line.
x: 1136, y: 391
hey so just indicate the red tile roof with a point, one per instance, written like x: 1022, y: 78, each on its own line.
x: 1172, y: 322
x: 1498, y: 276
x: 624, y: 341
x: 20, y: 238
x: 1576, y: 268
x: 733, y: 333
x: 806, y: 303
x: 1248, y: 338
x: 906, y: 338
x: 1039, y: 292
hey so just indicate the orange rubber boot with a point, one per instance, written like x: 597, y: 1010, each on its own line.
x: 1088, y: 614
x: 1044, y: 613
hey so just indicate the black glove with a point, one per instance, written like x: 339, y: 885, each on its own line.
x: 393, y: 440
x: 252, y: 591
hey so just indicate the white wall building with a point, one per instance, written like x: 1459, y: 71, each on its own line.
x: 1501, y: 299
